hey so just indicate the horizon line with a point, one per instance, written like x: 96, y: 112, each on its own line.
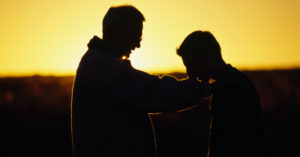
x: 154, y: 72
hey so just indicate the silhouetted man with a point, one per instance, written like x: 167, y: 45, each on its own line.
x: 111, y: 99
x: 236, y: 123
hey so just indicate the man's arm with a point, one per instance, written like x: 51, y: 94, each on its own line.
x: 167, y: 94
x: 110, y: 77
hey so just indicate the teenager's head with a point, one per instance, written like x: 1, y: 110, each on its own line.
x: 201, y: 54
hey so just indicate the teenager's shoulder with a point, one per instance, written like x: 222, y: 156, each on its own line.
x: 235, y: 78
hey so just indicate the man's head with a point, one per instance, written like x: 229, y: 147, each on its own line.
x: 122, y: 28
x: 201, y: 54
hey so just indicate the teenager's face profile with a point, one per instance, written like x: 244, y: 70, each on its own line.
x: 198, y: 65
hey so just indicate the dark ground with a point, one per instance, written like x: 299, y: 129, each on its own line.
x: 34, y: 116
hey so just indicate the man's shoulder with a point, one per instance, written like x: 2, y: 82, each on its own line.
x: 97, y: 61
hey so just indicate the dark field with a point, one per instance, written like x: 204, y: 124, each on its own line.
x: 34, y: 116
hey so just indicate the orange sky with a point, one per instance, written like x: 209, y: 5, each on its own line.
x: 48, y: 37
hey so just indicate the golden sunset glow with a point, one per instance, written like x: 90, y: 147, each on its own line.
x: 49, y: 37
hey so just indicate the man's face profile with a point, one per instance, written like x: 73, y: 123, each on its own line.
x: 122, y: 29
x: 134, y: 38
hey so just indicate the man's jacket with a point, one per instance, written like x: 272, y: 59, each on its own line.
x: 111, y: 100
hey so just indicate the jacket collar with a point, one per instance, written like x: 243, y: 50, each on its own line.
x: 102, y: 47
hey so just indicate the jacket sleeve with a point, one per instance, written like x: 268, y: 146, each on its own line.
x: 138, y: 89
x: 166, y: 94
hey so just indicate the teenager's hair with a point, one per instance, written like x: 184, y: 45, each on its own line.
x: 199, y: 43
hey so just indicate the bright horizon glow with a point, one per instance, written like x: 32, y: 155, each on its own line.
x: 50, y: 37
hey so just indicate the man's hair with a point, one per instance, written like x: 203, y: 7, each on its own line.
x: 198, y: 43
x: 118, y: 17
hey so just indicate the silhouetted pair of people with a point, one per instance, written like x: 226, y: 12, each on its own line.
x: 111, y: 99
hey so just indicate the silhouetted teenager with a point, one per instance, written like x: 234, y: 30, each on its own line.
x: 236, y: 123
x: 111, y: 99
